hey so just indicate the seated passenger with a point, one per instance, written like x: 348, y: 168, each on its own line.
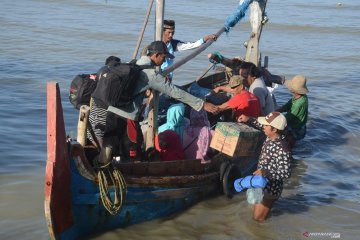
x: 234, y: 64
x: 256, y: 85
x: 243, y: 102
x: 175, y: 120
x: 169, y: 146
x: 113, y: 123
x: 197, y: 136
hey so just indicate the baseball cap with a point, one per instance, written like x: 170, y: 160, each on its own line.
x: 275, y: 119
x: 235, y: 81
x: 159, y: 47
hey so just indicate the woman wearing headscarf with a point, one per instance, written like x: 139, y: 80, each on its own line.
x: 175, y: 120
x: 169, y: 146
x: 197, y: 136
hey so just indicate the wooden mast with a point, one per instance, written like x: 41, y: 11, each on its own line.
x: 153, y: 113
x: 257, y: 12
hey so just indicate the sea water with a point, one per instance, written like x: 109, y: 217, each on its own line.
x: 42, y: 40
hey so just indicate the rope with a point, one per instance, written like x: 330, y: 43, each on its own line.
x: 118, y: 181
x: 143, y: 29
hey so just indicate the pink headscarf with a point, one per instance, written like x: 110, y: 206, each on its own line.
x: 197, y: 136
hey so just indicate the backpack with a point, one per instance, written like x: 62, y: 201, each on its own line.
x: 81, y: 88
x: 116, y: 84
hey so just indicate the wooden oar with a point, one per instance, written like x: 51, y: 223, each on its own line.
x: 230, y: 22
x: 199, y: 77
x: 193, y: 54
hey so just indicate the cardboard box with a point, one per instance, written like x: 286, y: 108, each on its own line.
x: 235, y: 139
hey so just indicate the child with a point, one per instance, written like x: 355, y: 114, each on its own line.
x: 296, y: 109
x: 274, y: 163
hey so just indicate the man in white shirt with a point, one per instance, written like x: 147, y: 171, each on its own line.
x: 174, y: 45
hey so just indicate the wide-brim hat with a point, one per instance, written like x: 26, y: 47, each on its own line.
x: 159, y: 47
x: 236, y: 81
x: 297, y: 84
x: 274, y: 119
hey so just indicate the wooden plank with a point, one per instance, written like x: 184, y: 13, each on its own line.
x: 170, y: 168
x: 57, y: 176
x: 174, y: 181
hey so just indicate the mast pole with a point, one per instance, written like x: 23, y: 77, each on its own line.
x: 257, y: 20
x: 153, y: 113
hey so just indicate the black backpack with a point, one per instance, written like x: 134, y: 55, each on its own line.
x: 116, y: 84
x: 81, y: 88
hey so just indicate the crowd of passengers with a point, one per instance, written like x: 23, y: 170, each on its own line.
x: 186, y: 133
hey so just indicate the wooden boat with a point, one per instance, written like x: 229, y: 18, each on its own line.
x: 73, y: 206
x: 152, y: 190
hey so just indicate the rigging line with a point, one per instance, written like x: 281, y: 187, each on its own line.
x: 143, y: 29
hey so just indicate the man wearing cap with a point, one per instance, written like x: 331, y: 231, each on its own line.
x: 150, y: 78
x: 296, y: 109
x: 174, y: 45
x: 243, y: 102
x: 256, y: 85
x: 274, y: 163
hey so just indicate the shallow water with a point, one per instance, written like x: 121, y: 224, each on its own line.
x: 44, y: 40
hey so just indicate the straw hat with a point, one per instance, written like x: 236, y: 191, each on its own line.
x: 297, y: 84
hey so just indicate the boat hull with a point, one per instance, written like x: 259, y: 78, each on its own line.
x: 142, y: 203
x: 73, y: 205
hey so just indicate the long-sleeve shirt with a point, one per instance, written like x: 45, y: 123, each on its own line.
x: 258, y: 88
x: 296, y: 112
x: 275, y: 158
x: 177, y: 45
x: 150, y: 78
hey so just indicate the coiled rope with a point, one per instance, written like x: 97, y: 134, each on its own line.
x: 118, y: 181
